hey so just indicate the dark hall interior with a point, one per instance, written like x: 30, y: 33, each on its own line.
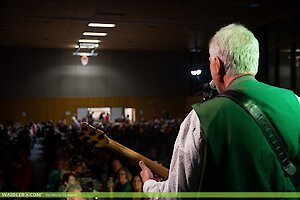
x: 136, y: 86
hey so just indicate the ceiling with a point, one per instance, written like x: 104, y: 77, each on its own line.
x: 140, y: 24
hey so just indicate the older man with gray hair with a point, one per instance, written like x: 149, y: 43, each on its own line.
x: 220, y: 146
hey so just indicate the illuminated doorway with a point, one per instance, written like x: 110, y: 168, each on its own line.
x: 129, y: 114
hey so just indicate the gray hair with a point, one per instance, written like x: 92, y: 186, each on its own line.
x: 238, y: 49
x: 72, y: 188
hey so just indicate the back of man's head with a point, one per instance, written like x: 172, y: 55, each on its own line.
x: 237, y: 48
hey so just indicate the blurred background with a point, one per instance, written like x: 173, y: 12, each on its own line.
x: 132, y: 68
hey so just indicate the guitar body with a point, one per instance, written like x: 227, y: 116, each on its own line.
x: 97, y: 138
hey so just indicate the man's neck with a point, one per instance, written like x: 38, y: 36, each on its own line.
x: 228, y: 79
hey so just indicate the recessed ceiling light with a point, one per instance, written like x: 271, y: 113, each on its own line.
x: 89, y: 41
x: 87, y: 46
x: 85, y: 54
x: 101, y: 25
x: 94, y: 34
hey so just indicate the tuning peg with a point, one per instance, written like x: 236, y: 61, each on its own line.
x: 84, y: 127
x: 92, y: 133
x: 101, y: 137
x: 84, y: 139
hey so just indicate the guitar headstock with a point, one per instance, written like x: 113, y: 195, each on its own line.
x: 93, y: 136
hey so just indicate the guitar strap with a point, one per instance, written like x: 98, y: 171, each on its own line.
x: 265, y: 125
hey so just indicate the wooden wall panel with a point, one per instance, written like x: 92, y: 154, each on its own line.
x: 44, y: 109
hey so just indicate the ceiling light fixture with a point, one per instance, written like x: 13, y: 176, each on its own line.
x: 89, y: 41
x: 94, y: 34
x: 85, y: 53
x: 87, y: 46
x: 101, y: 25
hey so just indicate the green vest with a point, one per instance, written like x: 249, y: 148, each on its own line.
x: 238, y: 157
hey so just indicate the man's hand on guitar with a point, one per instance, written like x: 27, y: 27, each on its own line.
x: 146, y: 173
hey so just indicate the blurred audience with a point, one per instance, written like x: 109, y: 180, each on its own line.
x: 70, y: 162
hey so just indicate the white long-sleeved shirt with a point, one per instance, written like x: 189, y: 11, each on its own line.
x: 186, y: 164
x: 185, y: 159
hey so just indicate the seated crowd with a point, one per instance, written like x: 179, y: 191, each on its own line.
x: 71, y: 162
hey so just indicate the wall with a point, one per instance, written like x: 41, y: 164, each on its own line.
x: 47, y: 83
x: 57, y: 73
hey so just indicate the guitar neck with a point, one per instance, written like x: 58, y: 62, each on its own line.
x: 158, y: 169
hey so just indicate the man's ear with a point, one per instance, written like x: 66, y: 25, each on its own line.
x: 219, y: 66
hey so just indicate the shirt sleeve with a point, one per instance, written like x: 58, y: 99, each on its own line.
x: 186, y: 163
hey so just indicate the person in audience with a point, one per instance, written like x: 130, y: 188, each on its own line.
x: 101, y: 117
x: 110, y: 184
x: 90, y: 117
x: 32, y: 130
x: 116, y: 165
x: 22, y: 173
x: 220, y: 147
x: 76, y: 188
x: 24, y: 139
x: 54, y: 178
x: 74, y: 122
x: 67, y: 180
x: 137, y: 184
x: 106, y: 118
x: 124, y: 181
x: 103, y: 182
x: 77, y: 168
x: 65, y: 168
